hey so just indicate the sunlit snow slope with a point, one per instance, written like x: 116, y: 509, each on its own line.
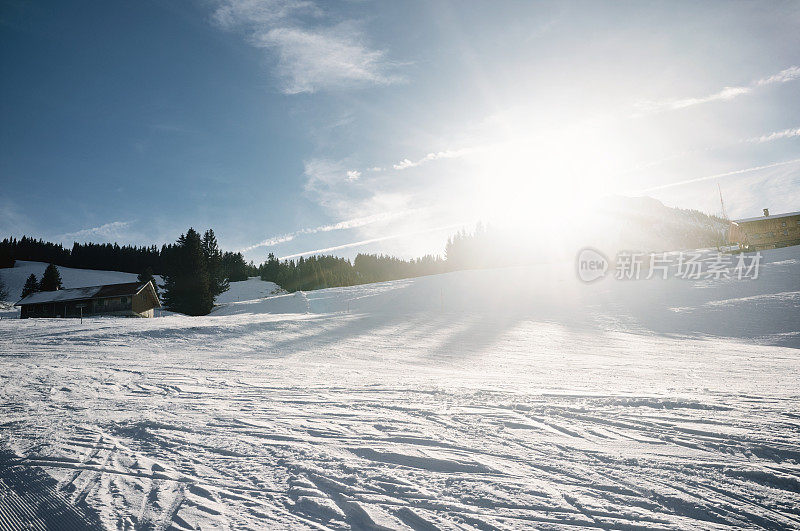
x: 510, y: 398
x: 14, y: 277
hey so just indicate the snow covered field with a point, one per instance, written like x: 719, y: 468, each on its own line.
x: 509, y: 398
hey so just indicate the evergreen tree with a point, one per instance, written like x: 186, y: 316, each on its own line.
x: 51, y: 279
x: 147, y: 276
x: 217, y: 281
x: 31, y: 286
x: 187, y: 288
x: 6, y: 257
x: 270, y: 269
x: 235, y: 268
x: 3, y: 290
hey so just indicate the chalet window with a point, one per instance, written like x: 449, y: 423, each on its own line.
x: 123, y: 300
x: 786, y: 232
x: 771, y: 234
x: 783, y: 223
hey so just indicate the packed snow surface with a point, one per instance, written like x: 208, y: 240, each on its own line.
x: 509, y: 398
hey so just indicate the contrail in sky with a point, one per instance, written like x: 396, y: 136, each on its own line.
x: 342, y: 225
x: 718, y: 175
x: 371, y: 240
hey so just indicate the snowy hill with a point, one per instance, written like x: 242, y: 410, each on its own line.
x: 646, y: 224
x: 489, y: 399
x: 246, y: 290
x: 14, y: 277
x: 703, y: 307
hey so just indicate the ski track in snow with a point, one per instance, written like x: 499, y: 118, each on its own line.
x: 470, y: 412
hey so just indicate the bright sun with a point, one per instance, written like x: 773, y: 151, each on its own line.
x: 523, y: 181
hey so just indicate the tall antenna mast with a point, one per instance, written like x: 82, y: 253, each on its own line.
x: 721, y: 202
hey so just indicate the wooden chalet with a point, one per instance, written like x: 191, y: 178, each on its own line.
x: 131, y: 299
x: 767, y: 231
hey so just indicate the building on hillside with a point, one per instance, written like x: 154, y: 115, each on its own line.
x: 767, y: 231
x: 131, y: 299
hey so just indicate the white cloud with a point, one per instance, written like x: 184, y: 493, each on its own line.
x: 309, y: 57
x: 789, y: 74
x: 726, y: 94
x: 787, y: 133
x: 372, y: 240
x: 324, y: 178
x: 110, y: 230
x: 254, y: 14
x: 716, y: 176
x: 368, y: 205
x: 310, y: 60
x: 449, y: 154
x: 269, y: 242
x: 341, y: 225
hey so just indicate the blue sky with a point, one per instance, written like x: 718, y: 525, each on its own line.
x: 293, y: 126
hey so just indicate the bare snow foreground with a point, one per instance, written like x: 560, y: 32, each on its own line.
x: 508, y: 398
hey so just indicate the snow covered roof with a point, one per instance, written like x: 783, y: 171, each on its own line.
x: 771, y: 216
x: 88, y: 292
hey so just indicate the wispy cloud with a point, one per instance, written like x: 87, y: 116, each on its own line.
x: 448, y: 154
x: 342, y: 225
x: 311, y: 53
x: 257, y: 13
x: 777, y: 135
x: 789, y: 74
x: 717, y: 176
x: 768, y: 137
x: 726, y: 94
x: 13, y: 220
x: 325, y: 180
x: 114, y: 229
x: 372, y: 240
x: 353, y: 175
x: 335, y: 57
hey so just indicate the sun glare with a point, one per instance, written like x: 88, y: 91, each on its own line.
x: 522, y: 182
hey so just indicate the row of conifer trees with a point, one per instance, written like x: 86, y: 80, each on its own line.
x: 195, y: 271
x: 326, y: 271
x: 192, y: 269
x: 106, y: 256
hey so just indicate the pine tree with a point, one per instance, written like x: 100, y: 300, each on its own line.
x: 217, y: 282
x: 6, y: 258
x: 31, y: 286
x: 147, y: 276
x: 186, y: 280
x: 271, y: 269
x: 51, y: 279
x: 3, y: 290
x: 234, y: 267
